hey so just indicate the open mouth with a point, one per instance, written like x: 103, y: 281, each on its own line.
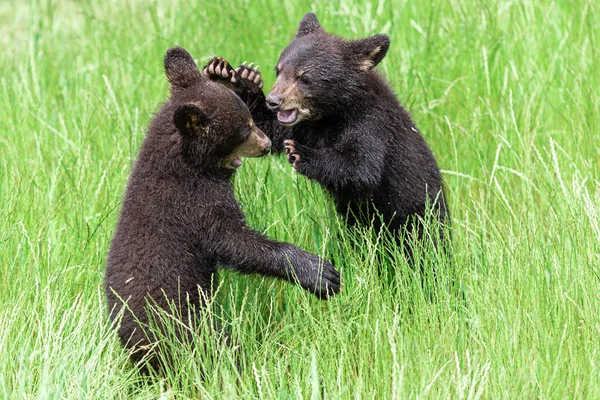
x: 234, y: 163
x: 287, y: 117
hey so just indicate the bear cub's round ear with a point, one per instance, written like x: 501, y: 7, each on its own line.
x: 370, y: 51
x: 190, y: 119
x: 180, y: 68
x: 309, y: 24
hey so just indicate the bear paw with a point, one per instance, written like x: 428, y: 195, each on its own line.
x: 250, y: 75
x: 218, y: 69
x: 329, y: 282
x: 243, y: 78
x: 319, y: 277
x: 293, y: 153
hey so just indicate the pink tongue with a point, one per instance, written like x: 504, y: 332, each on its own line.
x: 236, y: 162
x: 288, y: 116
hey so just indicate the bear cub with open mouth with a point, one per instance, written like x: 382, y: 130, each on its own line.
x: 180, y: 220
x: 341, y: 125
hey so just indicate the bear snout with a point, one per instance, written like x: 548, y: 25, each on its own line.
x: 265, y: 142
x: 273, y: 101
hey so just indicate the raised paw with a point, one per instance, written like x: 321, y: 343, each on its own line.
x: 218, y: 69
x: 291, y: 153
x: 249, y: 73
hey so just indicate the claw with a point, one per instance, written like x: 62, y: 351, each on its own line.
x: 234, y: 76
x: 224, y: 73
x: 211, y: 68
x: 218, y: 69
x: 250, y: 65
x: 296, y: 160
x: 244, y: 74
x: 251, y: 75
x: 257, y: 79
x: 244, y: 63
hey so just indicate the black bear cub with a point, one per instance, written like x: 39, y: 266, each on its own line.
x: 180, y: 221
x: 341, y: 125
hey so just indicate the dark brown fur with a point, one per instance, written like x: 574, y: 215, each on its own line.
x: 349, y: 133
x: 180, y: 221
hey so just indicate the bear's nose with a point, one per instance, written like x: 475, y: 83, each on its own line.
x: 267, y: 147
x: 273, y: 100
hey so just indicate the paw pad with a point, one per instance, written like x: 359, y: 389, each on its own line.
x: 250, y: 74
x: 219, y: 69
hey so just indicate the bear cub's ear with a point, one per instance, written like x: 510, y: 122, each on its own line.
x: 180, y: 68
x: 370, y: 51
x: 309, y: 24
x: 191, y: 120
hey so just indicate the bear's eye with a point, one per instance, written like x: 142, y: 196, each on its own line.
x: 304, y: 79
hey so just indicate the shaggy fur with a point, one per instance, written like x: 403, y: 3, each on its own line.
x: 180, y: 220
x: 342, y: 126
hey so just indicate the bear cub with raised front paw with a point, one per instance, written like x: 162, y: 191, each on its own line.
x: 342, y: 126
x: 180, y: 220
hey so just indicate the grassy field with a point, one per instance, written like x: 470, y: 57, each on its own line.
x: 507, y: 94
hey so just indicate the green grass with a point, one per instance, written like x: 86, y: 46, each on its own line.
x: 505, y: 92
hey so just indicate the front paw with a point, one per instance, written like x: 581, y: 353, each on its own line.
x: 245, y: 79
x: 329, y: 283
x: 250, y: 77
x: 297, y: 154
x: 219, y: 70
x: 322, y: 279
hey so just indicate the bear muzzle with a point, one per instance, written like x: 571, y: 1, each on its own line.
x: 256, y: 145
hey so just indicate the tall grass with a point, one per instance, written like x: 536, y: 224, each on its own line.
x: 505, y: 92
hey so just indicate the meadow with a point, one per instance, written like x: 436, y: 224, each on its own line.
x: 506, y: 94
